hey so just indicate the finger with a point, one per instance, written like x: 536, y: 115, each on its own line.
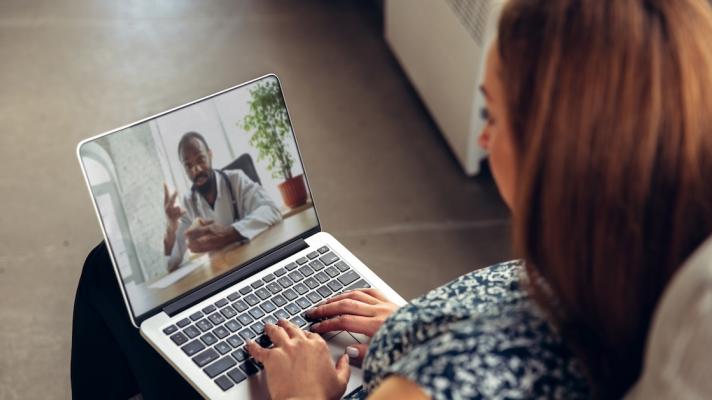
x: 353, y: 294
x: 205, y: 222
x: 276, y: 334
x: 356, y: 352
x: 172, y: 200
x: 165, y: 193
x: 343, y: 369
x: 374, y: 293
x: 345, y: 306
x: 256, y: 351
x: 352, y: 323
x: 292, y: 330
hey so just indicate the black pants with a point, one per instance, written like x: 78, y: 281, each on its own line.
x: 110, y: 359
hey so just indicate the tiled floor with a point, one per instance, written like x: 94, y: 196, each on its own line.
x: 384, y: 181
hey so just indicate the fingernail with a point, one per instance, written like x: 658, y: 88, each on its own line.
x: 315, y: 326
x: 310, y: 311
x: 352, y: 352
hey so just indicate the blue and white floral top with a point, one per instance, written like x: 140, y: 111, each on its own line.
x: 478, y: 337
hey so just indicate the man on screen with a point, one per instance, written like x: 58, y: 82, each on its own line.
x: 223, y: 207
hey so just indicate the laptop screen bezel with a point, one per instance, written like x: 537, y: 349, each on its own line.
x: 136, y: 320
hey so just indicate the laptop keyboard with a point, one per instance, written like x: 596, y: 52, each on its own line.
x: 214, y: 337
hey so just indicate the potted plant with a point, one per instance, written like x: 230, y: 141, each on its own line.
x: 269, y: 123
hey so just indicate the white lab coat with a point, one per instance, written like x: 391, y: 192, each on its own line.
x: 256, y: 210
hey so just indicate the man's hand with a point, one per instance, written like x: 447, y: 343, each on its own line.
x: 209, y: 236
x: 359, y: 311
x: 173, y: 213
x: 299, y: 365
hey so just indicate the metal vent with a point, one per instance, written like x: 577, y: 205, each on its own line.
x: 473, y: 16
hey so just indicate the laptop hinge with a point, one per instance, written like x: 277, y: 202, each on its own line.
x: 197, y: 296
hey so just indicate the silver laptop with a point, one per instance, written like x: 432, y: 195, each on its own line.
x: 212, y: 231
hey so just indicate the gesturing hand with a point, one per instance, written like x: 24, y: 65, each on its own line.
x: 360, y: 311
x: 299, y: 366
x: 173, y: 211
x: 209, y: 236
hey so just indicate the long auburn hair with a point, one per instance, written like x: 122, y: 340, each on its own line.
x: 610, y: 103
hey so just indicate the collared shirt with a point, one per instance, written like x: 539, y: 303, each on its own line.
x: 256, y: 210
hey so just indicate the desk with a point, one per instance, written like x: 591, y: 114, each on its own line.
x: 144, y: 298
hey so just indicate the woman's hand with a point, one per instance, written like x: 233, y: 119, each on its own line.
x: 360, y: 311
x: 299, y: 365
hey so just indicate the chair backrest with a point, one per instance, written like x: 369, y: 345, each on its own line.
x: 245, y: 163
x: 679, y: 346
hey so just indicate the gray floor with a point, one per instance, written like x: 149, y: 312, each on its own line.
x: 384, y: 181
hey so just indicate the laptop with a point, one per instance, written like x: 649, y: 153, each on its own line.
x: 212, y: 230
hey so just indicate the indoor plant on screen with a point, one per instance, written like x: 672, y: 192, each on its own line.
x: 271, y: 131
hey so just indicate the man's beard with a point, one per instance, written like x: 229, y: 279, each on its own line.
x: 209, y: 184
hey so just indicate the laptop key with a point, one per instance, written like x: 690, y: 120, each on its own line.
x: 191, y: 331
x: 245, y: 290
x: 170, y: 330
x: 316, y: 265
x: 335, y: 285
x: 314, y: 297
x: 280, y: 271
x: 290, y: 266
x: 256, y: 313
x: 311, y: 283
x: 258, y: 327
x: 302, y: 260
x: 293, y: 309
x: 193, y: 347
x: 236, y: 375
x: 247, y: 334
x: 360, y: 284
x: 332, y: 272
x: 204, y: 325
x: 245, y: 319
x: 269, y: 320
x: 219, y: 366
x: 285, y: 282
x: 342, y: 266
x: 299, y: 321
x: 281, y: 314
x: 228, y: 312
x: 222, y: 347
x: 324, y: 291
x: 233, y: 325
x: 263, y: 294
x: 249, y: 368
x: 274, y: 287
x: 196, y: 315
x: 179, y: 338
x: 220, y: 332
x: 329, y: 258
x: 304, y: 303
x: 313, y: 255
x: 268, y: 306
x: 295, y: 276
x: 209, y: 339
x: 348, y: 277
x: 216, y: 319
x: 279, y: 300
x: 183, y: 323
x: 240, y: 355
x: 289, y: 294
x: 257, y: 283
x: 234, y: 296
x: 268, y: 278
x: 206, y: 357
x: 235, y: 341
x: 322, y: 249
x: 224, y: 383
x: 301, y: 288
x: 251, y: 299
x: 306, y: 270
x: 221, y: 303
x: 240, y: 306
x: 321, y: 277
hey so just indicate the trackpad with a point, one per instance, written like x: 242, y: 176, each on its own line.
x: 337, y: 346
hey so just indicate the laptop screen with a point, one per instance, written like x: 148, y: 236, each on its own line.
x: 198, y: 191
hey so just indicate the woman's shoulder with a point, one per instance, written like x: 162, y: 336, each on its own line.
x: 477, y: 336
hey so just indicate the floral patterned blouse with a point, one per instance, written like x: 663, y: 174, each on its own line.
x: 477, y: 337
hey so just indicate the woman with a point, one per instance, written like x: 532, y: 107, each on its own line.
x: 600, y: 137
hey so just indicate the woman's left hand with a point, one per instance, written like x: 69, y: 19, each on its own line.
x: 299, y: 366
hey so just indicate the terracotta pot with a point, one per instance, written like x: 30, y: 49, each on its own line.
x: 294, y: 191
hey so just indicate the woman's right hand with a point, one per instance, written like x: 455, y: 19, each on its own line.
x: 360, y: 311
